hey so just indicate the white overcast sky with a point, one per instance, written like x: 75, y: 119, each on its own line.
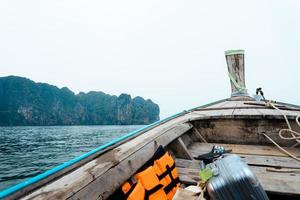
x: 169, y: 51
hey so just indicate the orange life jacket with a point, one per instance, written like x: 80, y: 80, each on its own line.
x: 133, y: 192
x: 154, y: 190
x: 147, y: 187
x: 167, y: 174
x: 157, y: 182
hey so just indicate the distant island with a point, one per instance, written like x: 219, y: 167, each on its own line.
x: 25, y: 102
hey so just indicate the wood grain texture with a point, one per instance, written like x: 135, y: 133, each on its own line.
x: 245, y: 149
x: 235, y: 65
x: 180, y: 150
x: 257, y: 159
x: 272, y: 182
x: 242, y: 131
x: 227, y: 122
x: 99, y: 178
x: 188, y: 176
x: 278, y: 183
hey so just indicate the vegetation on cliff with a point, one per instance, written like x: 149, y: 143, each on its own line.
x: 24, y: 102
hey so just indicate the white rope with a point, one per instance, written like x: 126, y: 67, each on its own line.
x: 282, y: 149
x: 293, y: 134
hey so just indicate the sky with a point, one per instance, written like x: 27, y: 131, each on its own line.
x: 169, y: 51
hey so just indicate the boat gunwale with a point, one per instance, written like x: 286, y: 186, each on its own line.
x: 247, y: 107
x: 36, y: 182
x: 268, y: 116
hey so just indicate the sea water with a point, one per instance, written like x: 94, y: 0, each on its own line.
x: 26, y: 151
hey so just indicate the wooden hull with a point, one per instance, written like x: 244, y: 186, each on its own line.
x: 236, y: 123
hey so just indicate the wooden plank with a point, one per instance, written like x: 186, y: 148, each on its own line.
x: 248, y: 110
x: 245, y: 149
x: 280, y: 183
x: 188, y: 176
x: 106, y: 184
x: 235, y: 65
x: 252, y: 111
x: 272, y: 161
x: 188, y: 170
x: 233, y: 104
x: 276, y: 112
x: 199, y: 135
x: 244, y: 104
x: 180, y: 150
x: 184, y: 163
x: 273, y: 182
x: 280, y: 106
x: 219, y: 105
x: 160, y: 127
x: 188, y: 138
x: 120, y: 163
x: 209, y: 114
x: 242, y: 130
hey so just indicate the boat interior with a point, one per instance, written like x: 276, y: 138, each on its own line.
x: 234, y: 123
x: 241, y: 132
x: 237, y: 125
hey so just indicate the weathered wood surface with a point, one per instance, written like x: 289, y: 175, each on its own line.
x: 188, y: 176
x: 271, y: 161
x: 260, y: 158
x: 218, y: 105
x: 235, y: 65
x: 179, y: 149
x: 76, y: 183
x: 129, y: 164
x: 99, y: 178
x: 273, y: 182
x: 188, y: 138
x: 237, y: 112
x: 242, y: 131
x: 199, y: 135
x: 247, y: 105
x: 245, y: 149
x: 184, y: 163
x: 257, y: 157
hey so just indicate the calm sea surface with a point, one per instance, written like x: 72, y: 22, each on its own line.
x: 29, y: 151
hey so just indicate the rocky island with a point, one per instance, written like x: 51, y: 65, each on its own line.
x: 25, y: 102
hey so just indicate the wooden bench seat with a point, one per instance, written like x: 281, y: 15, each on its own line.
x: 276, y: 172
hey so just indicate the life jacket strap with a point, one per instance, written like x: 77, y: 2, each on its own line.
x: 167, y: 172
x: 129, y: 191
x: 174, y: 181
x: 152, y: 191
x: 173, y: 184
